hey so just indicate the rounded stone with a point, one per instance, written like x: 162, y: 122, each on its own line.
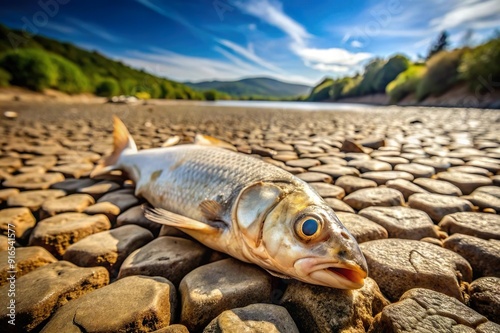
x: 438, y: 206
x: 438, y: 186
x: 351, y: 184
x: 382, y: 177
x: 470, y: 169
x: 33, y: 181
x: 466, y: 182
x: 74, y: 170
x: 335, y: 171
x: 123, y: 199
x: 482, y: 225
x: 253, y: 318
x: 491, y: 190
x: 57, y: 233
x: 222, y: 285
x: 27, y: 259
x: 71, y: 203
x: 417, y: 170
x: 398, y: 265
x: 485, y: 297
x: 20, y: 220
x: 39, y: 294
x: 369, y: 165
x: 303, y: 163
x: 99, y: 189
x: 424, y: 310
x: 374, y: 197
x: 322, y: 309
x: 108, y: 248
x: 406, y: 187
x: 402, y: 222
x: 71, y: 185
x: 338, y: 205
x: 135, y: 215
x: 483, y: 255
x: 361, y: 228
x: 131, y: 304
x: 484, y: 200
x: 33, y: 199
x: 315, y: 177
x: 328, y: 190
x: 170, y: 257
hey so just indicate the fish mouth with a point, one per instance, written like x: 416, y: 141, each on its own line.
x: 340, y: 275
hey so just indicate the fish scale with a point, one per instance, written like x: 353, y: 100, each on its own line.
x: 191, y: 174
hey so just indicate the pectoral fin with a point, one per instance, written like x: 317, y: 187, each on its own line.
x: 211, y: 210
x: 178, y: 221
x: 206, y: 140
x: 281, y: 276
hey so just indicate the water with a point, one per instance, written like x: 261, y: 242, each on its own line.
x: 304, y: 106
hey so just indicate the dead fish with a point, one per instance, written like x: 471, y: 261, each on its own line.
x: 242, y: 206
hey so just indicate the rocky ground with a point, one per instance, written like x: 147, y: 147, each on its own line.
x: 419, y: 188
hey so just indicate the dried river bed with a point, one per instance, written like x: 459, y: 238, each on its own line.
x: 419, y: 188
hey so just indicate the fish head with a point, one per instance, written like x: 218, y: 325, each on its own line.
x: 305, y: 240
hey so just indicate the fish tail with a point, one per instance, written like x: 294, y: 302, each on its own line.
x: 122, y: 142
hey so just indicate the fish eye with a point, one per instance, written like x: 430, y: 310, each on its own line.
x: 307, y: 228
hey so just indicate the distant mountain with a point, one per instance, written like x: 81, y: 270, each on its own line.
x: 259, y: 86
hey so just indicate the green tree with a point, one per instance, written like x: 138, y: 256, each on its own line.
x: 108, y: 87
x: 405, y: 83
x: 367, y: 84
x: 31, y: 68
x: 439, y: 45
x: 480, y: 66
x: 441, y: 74
x: 5, y: 78
x: 70, y: 78
x: 391, y: 69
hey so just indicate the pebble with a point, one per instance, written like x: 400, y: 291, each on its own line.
x: 361, y: 228
x: 369, y: 165
x: 18, y: 219
x: 132, y: 304
x: 258, y: 317
x: 122, y: 199
x: 481, y: 225
x: 491, y: 190
x: 322, y: 309
x: 424, y: 310
x: 74, y: 170
x: 303, y: 163
x: 466, y: 182
x: 27, y: 259
x: 382, y: 177
x: 72, y: 185
x: 438, y: 186
x: 135, y: 215
x: 417, y: 170
x: 106, y: 208
x: 108, y: 248
x: 5, y: 194
x: 33, y: 199
x: 402, y: 222
x: 470, y: 169
x: 393, y: 160
x: 338, y: 205
x: 483, y: 255
x: 438, y: 206
x: 374, y: 197
x: 57, y: 233
x: 328, y: 190
x: 223, y: 285
x: 315, y: 177
x: 40, y: 293
x: 33, y: 181
x: 485, y: 297
x: 46, y: 162
x: 71, y: 203
x: 335, y: 171
x: 170, y: 257
x: 398, y: 265
x: 97, y: 190
x: 350, y: 146
x: 483, y: 200
x: 406, y: 187
x: 351, y: 184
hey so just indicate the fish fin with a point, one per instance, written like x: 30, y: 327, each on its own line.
x: 163, y: 216
x: 172, y: 141
x: 279, y: 275
x: 122, y: 141
x: 211, y: 209
x: 206, y: 140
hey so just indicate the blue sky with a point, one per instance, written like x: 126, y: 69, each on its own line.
x: 295, y: 41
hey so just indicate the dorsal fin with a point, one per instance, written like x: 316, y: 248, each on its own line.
x: 122, y: 141
x: 206, y: 140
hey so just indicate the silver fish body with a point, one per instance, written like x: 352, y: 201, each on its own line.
x: 240, y: 205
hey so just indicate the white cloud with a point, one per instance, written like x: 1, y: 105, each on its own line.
x: 249, y: 54
x: 468, y: 13
x: 272, y: 13
x: 333, y: 60
x: 356, y: 44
